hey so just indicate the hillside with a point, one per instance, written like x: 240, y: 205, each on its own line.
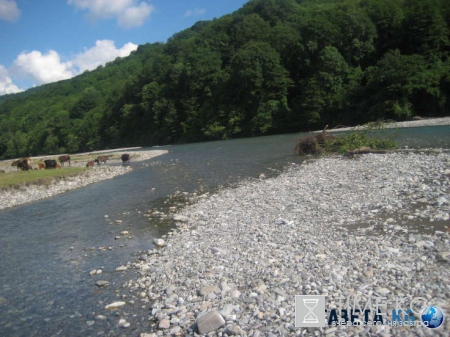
x: 273, y: 66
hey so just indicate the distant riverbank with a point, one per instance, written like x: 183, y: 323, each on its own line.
x: 33, y: 192
x: 405, y: 124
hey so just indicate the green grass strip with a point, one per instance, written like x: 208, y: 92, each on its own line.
x: 15, y: 179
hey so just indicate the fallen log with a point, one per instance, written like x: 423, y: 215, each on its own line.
x: 364, y: 150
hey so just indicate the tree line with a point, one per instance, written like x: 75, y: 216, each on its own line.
x: 273, y: 66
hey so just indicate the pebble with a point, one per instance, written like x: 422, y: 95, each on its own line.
x: 115, y: 305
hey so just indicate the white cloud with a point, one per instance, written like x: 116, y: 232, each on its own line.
x: 42, y: 68
x: 9, y: 10
x: 39, y: 68
x: 6, y: 84
x: 194, y: 12
x: 129, y: 13
x: 135, y: 16
x: 103, y: 52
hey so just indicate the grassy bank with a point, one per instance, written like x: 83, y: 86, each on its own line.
x: 15, y: 179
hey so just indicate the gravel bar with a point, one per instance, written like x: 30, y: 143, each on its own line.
x: 33, y: 192
x: 331, y: 226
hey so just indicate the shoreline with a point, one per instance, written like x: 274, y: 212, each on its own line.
x: 441, y: 121
x: 34, y: 192
x: 331, y: 226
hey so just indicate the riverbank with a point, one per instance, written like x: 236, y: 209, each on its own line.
x: 33, y: 192
x: 372, y: 226
x: 394, y: 125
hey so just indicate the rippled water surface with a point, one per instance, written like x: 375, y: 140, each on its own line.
x: 48, y: 248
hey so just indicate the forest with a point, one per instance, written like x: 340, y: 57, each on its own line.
x: 271, y: 67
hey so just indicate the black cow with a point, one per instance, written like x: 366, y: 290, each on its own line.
x: 50, y: 164
x: 125, y: 158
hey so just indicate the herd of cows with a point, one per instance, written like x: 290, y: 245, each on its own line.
x: 24, y: 164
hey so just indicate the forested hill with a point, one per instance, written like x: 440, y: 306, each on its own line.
x: 273, y: 66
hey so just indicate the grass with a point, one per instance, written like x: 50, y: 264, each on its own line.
x: 15, y: 179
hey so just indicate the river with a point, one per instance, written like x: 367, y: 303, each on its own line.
x: 49, y: 247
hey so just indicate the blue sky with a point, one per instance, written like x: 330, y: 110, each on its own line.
x: 43, y: 41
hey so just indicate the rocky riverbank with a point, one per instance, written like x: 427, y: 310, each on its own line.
x: 372, y: 226
x: 33, y: 192
x: 405, y: 124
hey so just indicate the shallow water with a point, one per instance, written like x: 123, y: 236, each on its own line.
x: 48, y: 248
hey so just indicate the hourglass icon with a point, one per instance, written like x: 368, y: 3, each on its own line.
x: 310, y: 304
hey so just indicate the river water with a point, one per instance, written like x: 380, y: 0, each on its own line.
x: 48, y: 248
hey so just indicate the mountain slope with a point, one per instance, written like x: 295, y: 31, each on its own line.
x: 273, y: 66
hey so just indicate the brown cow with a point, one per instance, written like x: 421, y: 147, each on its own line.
x: 24, y: 164
x: 102, y: 159
x: 90, y: 163
x: 63, y: 159
x: 40, y: 166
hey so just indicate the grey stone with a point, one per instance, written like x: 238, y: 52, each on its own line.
x: 209, y: 322
x: 206, y: 290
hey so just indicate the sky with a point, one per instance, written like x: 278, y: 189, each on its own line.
x: 44, y: 41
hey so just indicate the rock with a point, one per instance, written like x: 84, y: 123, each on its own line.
x: 159, y: 242
x: 115, y: 305
x: 444, y: 256
x: 90, y: 323
x: 330, y: 330
x: 383, y: 291
x: 209, y: 322
x: 121, y: 268
x: 124, y: 233
x: 101, y: 283
x: 235, y: 294
x: 225, y: 287
x: 206, y: 290
x: 233, y: 330
x: 261, y: 289
x: 164, y: 324
x: 180, y: 218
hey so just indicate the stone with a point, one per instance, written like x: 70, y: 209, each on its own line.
x: 164, y: 324
x: 159, y: 242
x: 206, y: 290
x: 121, y: 268
x: 115, y: 305
x: 102, y: 283
x: 209, y: 322
x: 90, y: 323
x: 180, y: 218
x: 225, y: 287
x: 235, y: 294
x: 233, y: 330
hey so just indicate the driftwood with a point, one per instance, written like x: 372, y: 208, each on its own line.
x: 313, y: 144
x: 364, y: 150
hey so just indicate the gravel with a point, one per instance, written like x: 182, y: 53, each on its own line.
x: 374, y: 225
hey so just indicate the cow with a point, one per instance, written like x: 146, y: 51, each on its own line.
x: 23, y: 164
x: 50, y: 163
x: 102, y: 159
x: 63, y: 159
x: 90, y: 163
x: 40, y: 166
x: 125, y: 158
